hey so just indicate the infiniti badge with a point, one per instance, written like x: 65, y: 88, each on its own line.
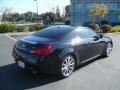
x: 24, y: 46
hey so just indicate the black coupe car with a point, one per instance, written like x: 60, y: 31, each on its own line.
x: 59, y: 49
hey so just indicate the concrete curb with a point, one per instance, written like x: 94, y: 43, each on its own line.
x: 112, y: 33
x: 17, y: 33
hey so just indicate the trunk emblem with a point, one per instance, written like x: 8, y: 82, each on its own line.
x: 24, y: 46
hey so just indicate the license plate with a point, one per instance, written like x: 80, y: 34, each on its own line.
x: 21, y: 64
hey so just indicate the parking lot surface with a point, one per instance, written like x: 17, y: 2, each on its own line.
x: 99, y: 74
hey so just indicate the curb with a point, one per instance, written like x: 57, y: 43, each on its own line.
x: 17, y: 33
x: 116, y: 33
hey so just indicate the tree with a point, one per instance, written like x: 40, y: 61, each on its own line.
x: 48, y: 17
x: 6, y: 13
x: 104, y: 10
x: 14, y: 17
x: 28, y: 16
x: 67, y: 15
x: 21, y: 17
x: 98, y: 10
x: 67, y: 11
x: 57, y: 16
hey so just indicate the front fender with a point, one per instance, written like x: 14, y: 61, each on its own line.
x: 107, y: 39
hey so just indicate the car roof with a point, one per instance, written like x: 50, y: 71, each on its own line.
x: 58, y: 31
x: 63, y: 26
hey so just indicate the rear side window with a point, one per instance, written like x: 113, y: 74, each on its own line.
x: 81, y: 33
x: 73, y: 34
x: 87, y: 33
x: 53, y: 32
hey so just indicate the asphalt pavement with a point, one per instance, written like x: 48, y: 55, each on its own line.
x: 98, y: 74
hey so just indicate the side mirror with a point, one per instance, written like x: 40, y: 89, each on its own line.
x: 100, y: 35
x: 96, y: 38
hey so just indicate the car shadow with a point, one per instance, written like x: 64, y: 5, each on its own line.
x: 14, y: 78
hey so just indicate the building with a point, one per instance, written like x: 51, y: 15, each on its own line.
x: 80, y: 12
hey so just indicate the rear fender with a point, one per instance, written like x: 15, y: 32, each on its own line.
x: 69, y: 51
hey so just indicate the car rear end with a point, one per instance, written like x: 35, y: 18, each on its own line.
x: 35, y: 52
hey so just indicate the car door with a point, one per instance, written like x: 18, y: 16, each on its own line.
x: 83, y: 49
x: 96, y: 45
x: 91, y: 46
x: 80, y: 44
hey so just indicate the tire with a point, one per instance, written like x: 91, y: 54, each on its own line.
x: 108, y: 49
x: 67, y: 66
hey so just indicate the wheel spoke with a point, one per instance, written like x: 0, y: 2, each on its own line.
x: 71, y: 68
x: 63, y: 68
x: 68, y: 71
x: 63, y: 65
x: 72, y: 63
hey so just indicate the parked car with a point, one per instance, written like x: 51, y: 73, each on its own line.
x: 60, y: 49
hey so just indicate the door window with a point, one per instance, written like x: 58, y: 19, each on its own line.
x: 87, y: 33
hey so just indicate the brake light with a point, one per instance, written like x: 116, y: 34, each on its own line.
x: 44, y: 50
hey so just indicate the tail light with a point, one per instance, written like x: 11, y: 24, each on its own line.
x: 43, y: 50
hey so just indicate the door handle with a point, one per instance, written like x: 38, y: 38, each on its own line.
x: 88, y: 43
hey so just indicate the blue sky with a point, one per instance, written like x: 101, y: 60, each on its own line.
x: 22, y: 6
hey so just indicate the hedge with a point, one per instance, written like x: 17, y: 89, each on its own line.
x: 39, y: 26
x: 12, y: 28
x: 116, y: 28
x: 7, y: 28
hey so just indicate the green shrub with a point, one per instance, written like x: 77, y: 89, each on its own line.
x: 95, y: 27
x: 26, y: 29
x: 20, y: 29
x: 106, y: 28
x: 116, y: 28
x: 7, y: 28
x: 39, y: 26
x: 31, y: 29
x: 12, y: 28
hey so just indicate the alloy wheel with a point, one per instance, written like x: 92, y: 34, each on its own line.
x: 109, y: 49
x: 68, y: 66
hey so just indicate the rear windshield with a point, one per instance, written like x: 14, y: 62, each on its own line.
x: 53, y: 32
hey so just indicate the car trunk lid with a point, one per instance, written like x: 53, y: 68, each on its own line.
x: 31, y: 42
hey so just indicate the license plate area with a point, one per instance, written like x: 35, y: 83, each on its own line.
x: 21, y: 64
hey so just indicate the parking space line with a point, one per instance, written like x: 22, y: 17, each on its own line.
x: 11, y: 38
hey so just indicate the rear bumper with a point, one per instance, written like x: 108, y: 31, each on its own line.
x: 44, y: 63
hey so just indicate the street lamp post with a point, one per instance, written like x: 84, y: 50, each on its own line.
x: 36, y: 7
